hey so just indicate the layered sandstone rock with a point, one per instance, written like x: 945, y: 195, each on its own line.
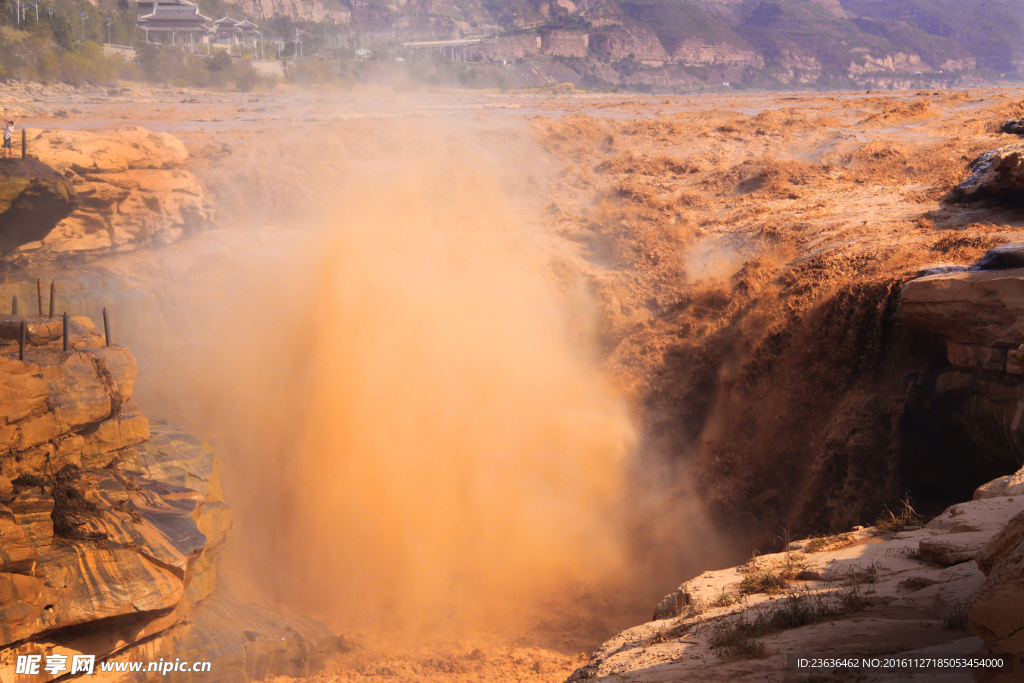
x: 967, y: 419
x: 1010, y: 485
x: 111, y: 528
x: 793, y: 59
x: 865, y: 579
x: 629, y: 42
x: 603, y: 14
x: 104, y: 544
x: 981, y: 308
x: 908, y: 589
x: 997, y: 609
x: 897, y: 62
x: 507, y: 47
x: 33, y: 199
x: 307, y: 10
x: 699, y: 53
x: 132, y: 189
x: 566, y: 44
x: 997, y: 173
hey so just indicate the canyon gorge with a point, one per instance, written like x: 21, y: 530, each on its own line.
x: 446, y: 386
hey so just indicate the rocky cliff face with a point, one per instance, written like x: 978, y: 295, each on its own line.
x: 33, y: 199
x: 303, y: 10
x: 628, y: 42
x: 509, y: 47
x: 966, y: 416
x: 997, y: 608
x: 698, y: 53
x: 898, y: 62
x: 869, y: 43
x: 111, y: 528
x: 132, y: 190
x: 566, y: 44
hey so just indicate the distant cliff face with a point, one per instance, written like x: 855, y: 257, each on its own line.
x: 699, y: 53
x: 302, y: 10
x: 761, y: 43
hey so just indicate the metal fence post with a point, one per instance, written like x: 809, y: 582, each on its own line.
x: 53, y: 296
x: 65, y: 331
x: 39, y: 289
x: 106, y: 326
x: 14, y: 305
x: 21, y: 341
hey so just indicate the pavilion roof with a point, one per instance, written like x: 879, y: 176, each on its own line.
x: 173, y: 16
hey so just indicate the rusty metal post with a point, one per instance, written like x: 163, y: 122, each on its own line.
x: 21, y: 341
x: 24, y: 145
x: 53, y: 296
x: 39, y: 290
x: 106, y: 326
x: 65, y: 331
x: 14, y: 305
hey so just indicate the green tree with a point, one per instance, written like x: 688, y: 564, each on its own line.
x: 246, y: 77
x: 147, y: 56
x: 221, y: 61
x: 62, y: 31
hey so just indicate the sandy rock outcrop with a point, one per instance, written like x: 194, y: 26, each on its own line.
x: 997, y: 610
x: 982, y: 308
x: 132, y: 189
x: 997, y: 173
x: 34, y: 198
x: 1011, y: 485
x: 867, y: 591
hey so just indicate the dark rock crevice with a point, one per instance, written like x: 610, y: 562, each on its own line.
x: 33, y: 199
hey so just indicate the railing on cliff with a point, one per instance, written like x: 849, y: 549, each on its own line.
x: 19, y: 327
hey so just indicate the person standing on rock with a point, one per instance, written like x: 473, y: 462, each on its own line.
x: 9, y: 139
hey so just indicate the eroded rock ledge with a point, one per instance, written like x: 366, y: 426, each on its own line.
x: 966, y: 414
x: 132, y: 188
x: 905, y: 588
x: 111, y: 527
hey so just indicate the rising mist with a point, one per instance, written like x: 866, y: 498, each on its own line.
x: 391, y: 352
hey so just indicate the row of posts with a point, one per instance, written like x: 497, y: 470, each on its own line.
x: 53, y: 298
